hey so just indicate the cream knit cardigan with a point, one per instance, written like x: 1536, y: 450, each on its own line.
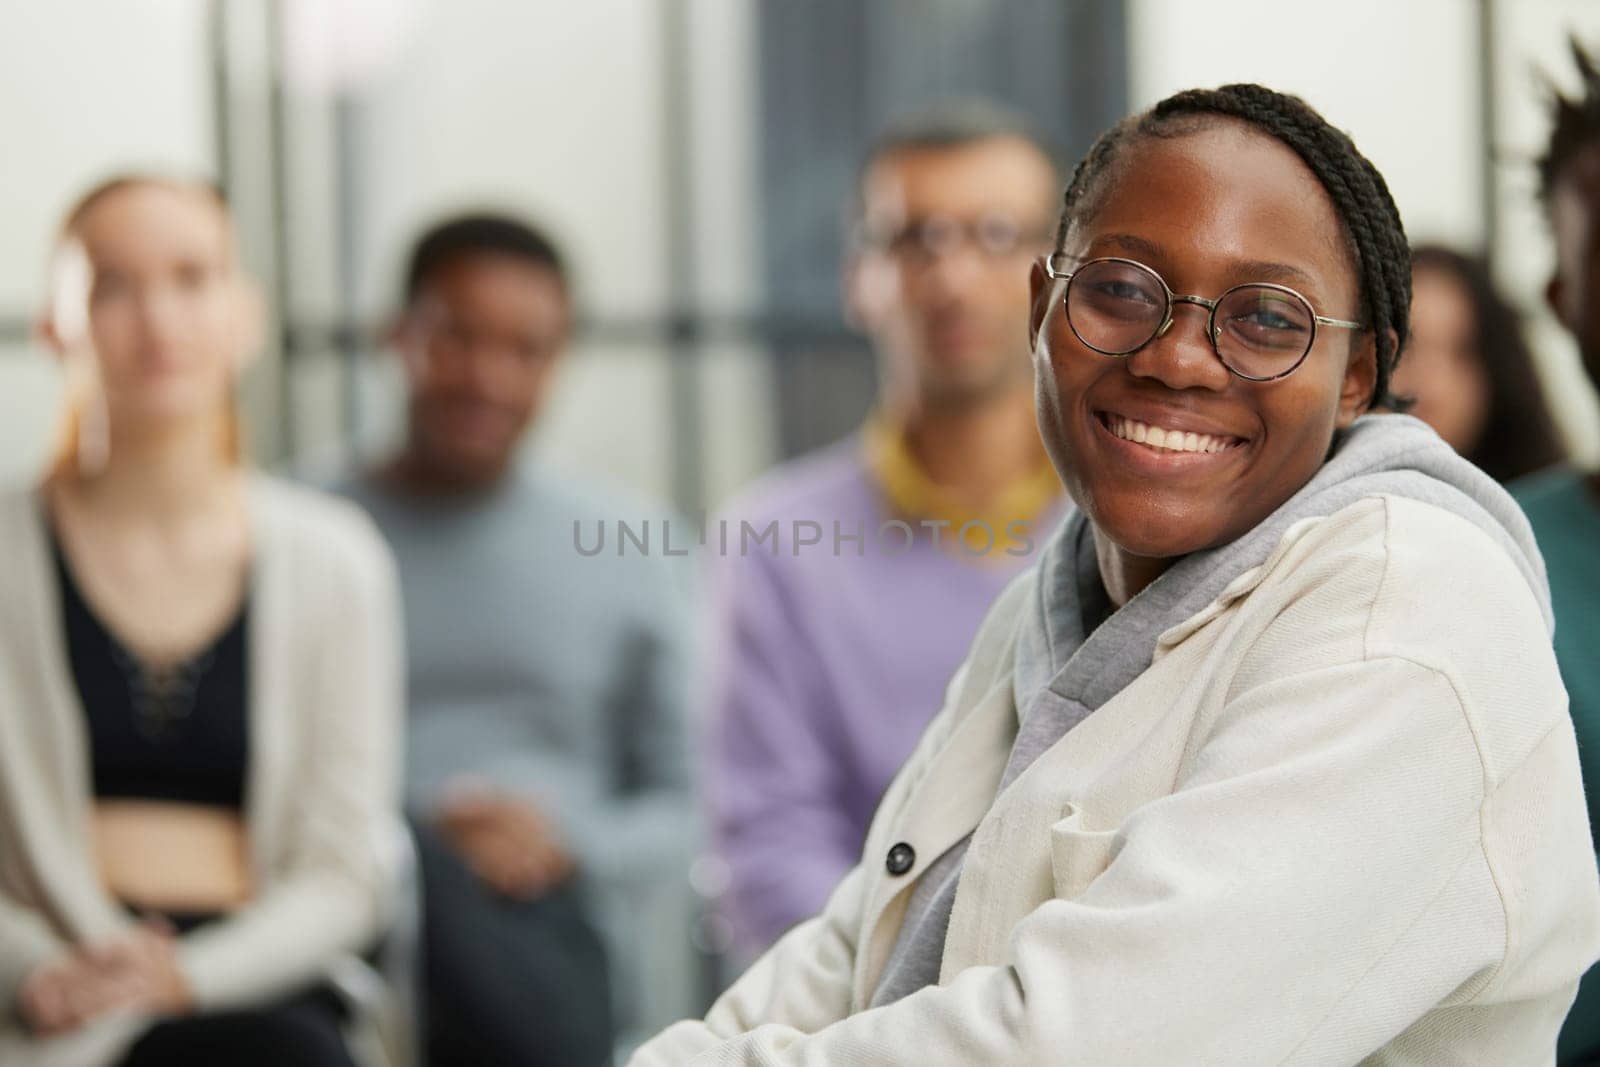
x: 1339, y: 819
x: 321, y: 791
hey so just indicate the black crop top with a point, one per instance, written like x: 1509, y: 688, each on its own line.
x: 178, y: 733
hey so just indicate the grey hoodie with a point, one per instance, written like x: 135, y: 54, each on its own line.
x: 1063, y: 675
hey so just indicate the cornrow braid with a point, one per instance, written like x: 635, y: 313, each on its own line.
x: 1575, y: 123
x: 1359, y: 194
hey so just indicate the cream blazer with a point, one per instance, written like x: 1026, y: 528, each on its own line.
x: 322, y: 788
x: 1339, y: 819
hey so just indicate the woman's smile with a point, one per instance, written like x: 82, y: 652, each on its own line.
x: 1166, y: 441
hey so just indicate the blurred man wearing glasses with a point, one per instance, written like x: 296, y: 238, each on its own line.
x: 546, y: 778
x: 831, y: 657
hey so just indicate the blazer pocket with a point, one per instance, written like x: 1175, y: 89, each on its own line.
x: 1078, y: 855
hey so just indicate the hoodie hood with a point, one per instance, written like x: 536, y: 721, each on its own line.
x: 1393, y: 455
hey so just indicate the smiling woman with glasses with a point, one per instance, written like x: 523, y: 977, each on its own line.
x: 1267, y: 761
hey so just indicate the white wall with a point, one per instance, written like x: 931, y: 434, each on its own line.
x: 1400, y: 78
x: 741, y: 425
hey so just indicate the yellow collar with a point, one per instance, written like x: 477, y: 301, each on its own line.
x: 911, y: 494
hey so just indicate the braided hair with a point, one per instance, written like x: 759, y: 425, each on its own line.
x: 1361, y: 199
x: 1576, y: 123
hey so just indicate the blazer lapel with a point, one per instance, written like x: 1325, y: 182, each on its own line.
x: 1082, y: 777
x: 944, y: 805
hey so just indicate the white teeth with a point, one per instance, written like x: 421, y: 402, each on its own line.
x: 1169, y: 440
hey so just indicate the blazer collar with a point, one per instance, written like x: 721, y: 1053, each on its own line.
x: 942, y: 807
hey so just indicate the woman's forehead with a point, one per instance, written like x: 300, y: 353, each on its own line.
x: 1223, y: 191
x: 155, y: 219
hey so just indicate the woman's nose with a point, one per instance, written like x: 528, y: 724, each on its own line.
x: 1181, y: 355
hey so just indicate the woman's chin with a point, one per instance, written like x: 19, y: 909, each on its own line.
x: 1155, y: 532
x: 179, y: 402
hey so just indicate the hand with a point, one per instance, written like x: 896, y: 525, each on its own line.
x: 506, y: 841
x: 144, y: 959
x: 133, y: 970
x: 53, y: 998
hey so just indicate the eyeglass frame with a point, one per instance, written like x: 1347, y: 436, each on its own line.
x: 1213, y: 331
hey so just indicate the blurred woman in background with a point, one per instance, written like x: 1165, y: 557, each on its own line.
x: 199, y: 683
x: 1469, y: 368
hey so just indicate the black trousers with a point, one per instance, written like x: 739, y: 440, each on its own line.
x: 301, y: 1030
x: 519, y: 983
x: 304, y: 1028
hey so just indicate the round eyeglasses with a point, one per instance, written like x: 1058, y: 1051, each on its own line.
x: 1260, y: 331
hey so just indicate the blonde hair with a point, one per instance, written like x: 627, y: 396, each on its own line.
x: 69, y: 455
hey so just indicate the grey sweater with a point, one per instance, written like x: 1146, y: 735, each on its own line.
x: 537, y: 669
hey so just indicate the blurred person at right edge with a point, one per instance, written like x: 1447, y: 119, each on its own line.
x: 1469, y: 370
x: 1564, y: 505
x: 830, y: 659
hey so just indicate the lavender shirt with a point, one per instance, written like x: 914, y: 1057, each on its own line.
x: 828, y: 662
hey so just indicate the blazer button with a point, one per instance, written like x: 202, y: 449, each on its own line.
x: 902, y: 857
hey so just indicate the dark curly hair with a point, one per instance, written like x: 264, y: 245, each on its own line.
x: 1519, y: 435
x: 1373, y: 230
x: 1575, y: 123
x: 479, y: 233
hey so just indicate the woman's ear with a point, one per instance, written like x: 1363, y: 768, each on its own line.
x: 45, y: 332
x: 1042, y: 287
x: 1360, y: 375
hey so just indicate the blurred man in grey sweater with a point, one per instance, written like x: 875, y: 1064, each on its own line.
x: 547, y: 776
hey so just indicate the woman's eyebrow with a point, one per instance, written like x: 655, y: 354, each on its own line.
x: 1250, y: 270
x: 1132, y: 243
x: 1268, y: 271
